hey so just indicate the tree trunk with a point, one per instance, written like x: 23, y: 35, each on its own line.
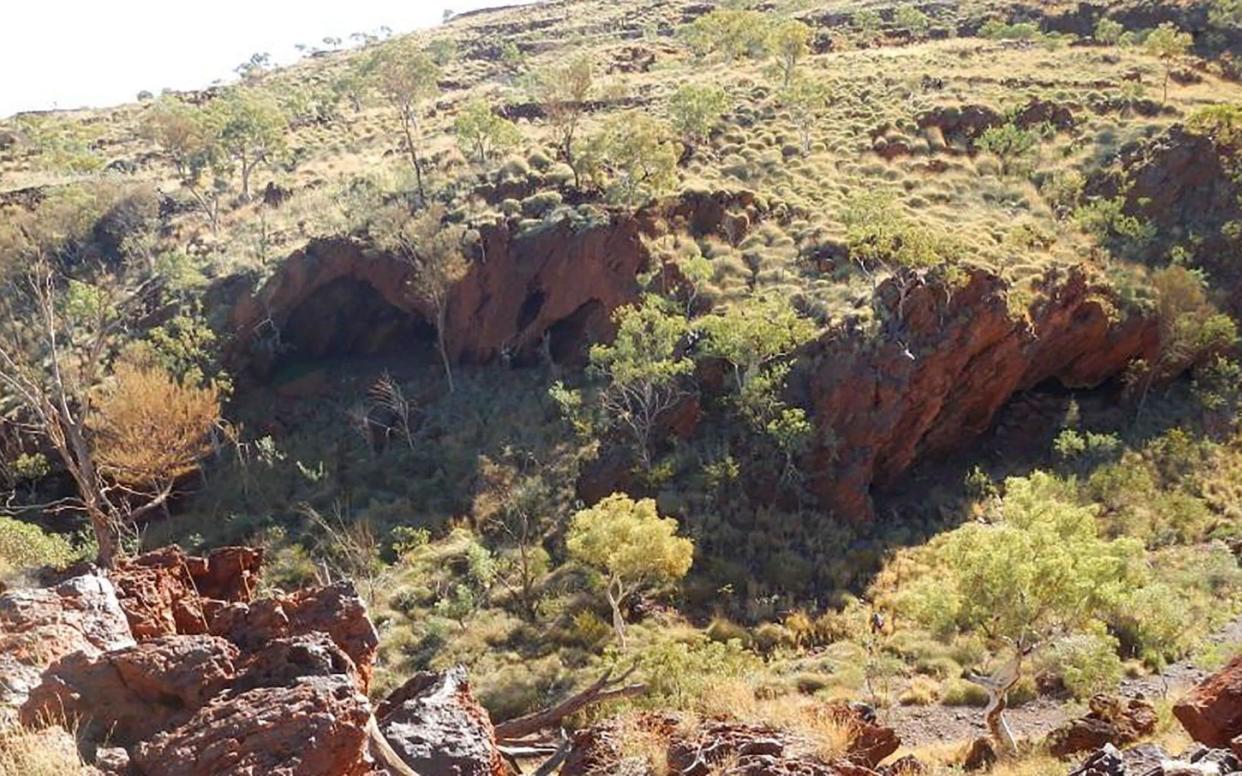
x: 618, y: 622
x: 442, y: 340
x: 409, y: 122
x: 246, y: 168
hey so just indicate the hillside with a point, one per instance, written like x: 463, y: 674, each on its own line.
x: 772, y: 355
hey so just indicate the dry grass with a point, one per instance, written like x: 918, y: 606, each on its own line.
x: 818, y: 731
x: 51, y: 751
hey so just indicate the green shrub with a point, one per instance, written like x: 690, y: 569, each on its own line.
x: 24, y: 547
x: 678, y: 673
x: 541, y: 204
x: 1087, y: 663
x: 959, y: 692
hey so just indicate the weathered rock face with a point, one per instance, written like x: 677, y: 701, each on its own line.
x: 220, y: 683
x: 41, y: 626
x: 560, y: 281
x: 132, y: 693
x: 1212, y: 712
x: 166, y: 591
x: 552, y: 286
x: 439, y: 729
x: 1180, y: 182
x: 950, y: 360
x: 335, y: 610
x: 1111, y: 720
x: 315, y: 727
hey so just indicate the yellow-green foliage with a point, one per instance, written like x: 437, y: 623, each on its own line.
x: 1039, y: 565
x: 629, y: 543
x: 24, y: 547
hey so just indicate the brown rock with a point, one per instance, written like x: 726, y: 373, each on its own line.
x: 871, y: 742
x: 980, y: 755
x: 41, y: 626
x: 131, y: 693
x: 949, y: 363
x: 439, y: 729
x: 166, y: 592
x: 1111, y: 720
x: 315, y: 727
x: 335, y: 610
x: 1212, y: 712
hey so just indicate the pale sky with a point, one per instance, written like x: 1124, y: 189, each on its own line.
x: 76, y: 53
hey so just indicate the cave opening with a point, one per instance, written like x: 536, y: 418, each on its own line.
x: 349, y: 318
x: 570, y: 338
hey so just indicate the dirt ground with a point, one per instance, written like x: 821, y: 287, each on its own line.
x: 919, y: 725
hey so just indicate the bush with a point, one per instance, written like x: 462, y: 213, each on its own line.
x: 959, y: 692
x: 1011, y: 144
x: 24, y: 547
x: 1087, y: 663
x: 923, y: 691
x: 730, y: 33
x: 695, y: 110
x: 679, y: 673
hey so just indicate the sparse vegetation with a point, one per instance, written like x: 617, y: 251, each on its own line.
x: 406, y: 311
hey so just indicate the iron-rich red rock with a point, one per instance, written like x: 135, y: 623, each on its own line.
x: 951, y: 358
x: 335, y: 610
x: 315, y: 727
x: 42, y: 625
x: 1212, y: 712
x: 129, y: 694
x: 1111, y: 720
x: 166, y: 591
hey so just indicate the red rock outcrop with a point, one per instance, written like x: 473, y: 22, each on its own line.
x: 559, y: 280
x: 167, y: 591
x: 439, y: 729
x: 221, y: 683
x: 40, y: 626
x: 132, y: 693
x: 1185, y: 184
x: 335, y: 610
x: 1212, y: 712
x: 1111, y: 720
x: 948, y: 360
x: 315, y: 727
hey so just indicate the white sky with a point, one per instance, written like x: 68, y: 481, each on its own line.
x: 76, y: 53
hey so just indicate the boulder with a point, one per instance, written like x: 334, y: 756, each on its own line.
x: 871, y: 742
x: 335, y: 610
x: 166, y: 591
x: 1111, y: 720
x: 1212, y: 712
x: 437, y: 727
x: 979, y: 755
x: 40, y: 626
x: 316, y: 726
x: 129, y: 694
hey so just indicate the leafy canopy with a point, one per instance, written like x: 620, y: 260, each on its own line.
x: 1039, y: 567
x: 646, y: 348
x: 755, y: 332
x: 640, y: 152
x: 628, y: 540
x: 696, y: 109
x: 481, y: 133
